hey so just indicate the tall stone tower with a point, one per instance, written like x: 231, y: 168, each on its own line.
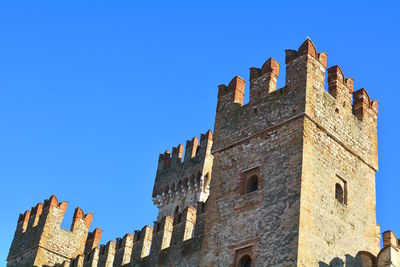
x: 294, y: 169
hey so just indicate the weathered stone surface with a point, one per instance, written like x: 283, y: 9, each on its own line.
x: 44, y: 241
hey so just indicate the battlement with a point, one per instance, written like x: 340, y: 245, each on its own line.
x: 39, y: 232
x: 181, y: 183
x: 193, y: 152
x: 168, y: 238
x: 93, y: 239
x: 363, y: 106
x: 307, y: 48
x: 263, y: 80
x: 302, y: 96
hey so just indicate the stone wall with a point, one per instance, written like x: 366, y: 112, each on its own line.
x: 172, y: 242
x: 266, y: 134
x: 340, y: 147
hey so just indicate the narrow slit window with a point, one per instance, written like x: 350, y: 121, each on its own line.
x: 339, y: 193
x: 252, y: 184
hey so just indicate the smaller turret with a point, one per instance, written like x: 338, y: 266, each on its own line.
x: 39, y: 233
x: 178, y: 183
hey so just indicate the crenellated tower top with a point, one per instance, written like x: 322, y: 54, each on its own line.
x: 309, y: 156
x: 39, y: 233
x: 183, y: 180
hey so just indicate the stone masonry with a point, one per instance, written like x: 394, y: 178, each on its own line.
x: 287, y: 179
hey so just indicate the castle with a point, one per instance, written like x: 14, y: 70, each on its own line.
x: 287, y: 179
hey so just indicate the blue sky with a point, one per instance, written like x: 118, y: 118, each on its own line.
x: 92, y: 91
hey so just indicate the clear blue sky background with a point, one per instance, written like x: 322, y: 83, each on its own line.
x: 92, y: 91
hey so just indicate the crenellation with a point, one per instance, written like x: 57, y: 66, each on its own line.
x: 162, y: 234
x: 295, y: 60
x: 191, y: 148
x: 206, y: 140
x: 164, y: 161
x: 340, y: 88
x: 363, y: 107
x: 123, y: 250
x: 231, y: 95
x: 306, y: 48
x: 35, y: 214
x: 107, y: 254
x: 142, y: 244
x: 23, y: 221
x: 92, y: 258
x: 79, y: 215
x: 177, y: 153
x: 263, y: 81
x: 93, y: 240
x: 183, y: 226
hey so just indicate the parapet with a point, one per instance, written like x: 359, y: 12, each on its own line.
x: 263, y: 81
x: 363, y: 106
x: 234, y: 91
x: 93, y: 240
x: 142, y: 244
x: 303, y: 95
x: 107, y: 254
x: 39, y: 231
x: 162, y: 234
x: 153, y: 246
x: 193, y: 151
x: 123, y: 250
x: 306, y: 48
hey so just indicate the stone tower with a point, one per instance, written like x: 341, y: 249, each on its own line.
x: 40, y: 240
x: 294, y: 169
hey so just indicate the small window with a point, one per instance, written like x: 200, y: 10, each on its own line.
x: 339, y: 193
x: 245, y: 261
x: 341, y: 190
x: 243, y: 257
x: 252, y: 184
x: 249, y: 181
